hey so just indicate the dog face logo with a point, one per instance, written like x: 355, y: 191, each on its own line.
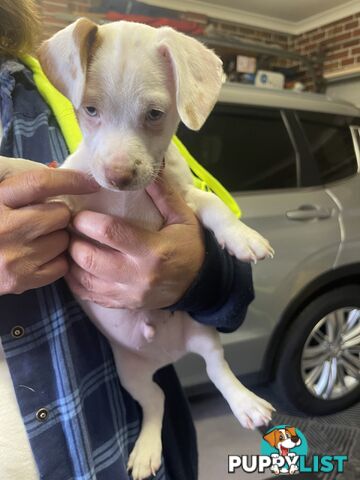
x: 284, y: 444
x: 283, y: 439
x: 284, y: 450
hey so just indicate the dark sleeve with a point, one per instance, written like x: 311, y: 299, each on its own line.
x: 222, y: 290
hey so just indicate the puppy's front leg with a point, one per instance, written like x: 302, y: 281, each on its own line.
x: 136, y: 375
x: 240, y: 240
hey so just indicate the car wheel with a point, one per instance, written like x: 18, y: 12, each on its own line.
x: 319, y: 363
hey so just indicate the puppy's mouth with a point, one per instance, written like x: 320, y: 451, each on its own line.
x: 284, y: 451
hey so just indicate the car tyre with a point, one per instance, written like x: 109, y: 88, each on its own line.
x: 290, y: 373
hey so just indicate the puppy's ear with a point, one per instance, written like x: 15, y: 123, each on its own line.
x: 271, y: 438
x: 197, y: 73
x: 65, y: 57
x: 291, y: 430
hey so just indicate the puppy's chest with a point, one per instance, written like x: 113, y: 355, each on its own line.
x: 135, y: 206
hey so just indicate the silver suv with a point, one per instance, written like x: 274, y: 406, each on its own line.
x: 291, y: 160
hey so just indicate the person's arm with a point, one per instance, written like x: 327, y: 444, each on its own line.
x: 222, y: 290
x: 180, y: 266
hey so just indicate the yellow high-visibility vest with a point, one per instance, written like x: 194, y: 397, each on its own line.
x: 66, y: 118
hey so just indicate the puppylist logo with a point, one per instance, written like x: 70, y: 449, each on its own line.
x: 284, y: 450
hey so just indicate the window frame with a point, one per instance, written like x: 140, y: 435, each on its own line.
x: 310, y: 166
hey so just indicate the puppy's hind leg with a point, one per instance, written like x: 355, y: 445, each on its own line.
x: 251, y: 410
x: 136, y: 375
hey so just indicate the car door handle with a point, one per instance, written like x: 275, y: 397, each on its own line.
x: 308, y: 212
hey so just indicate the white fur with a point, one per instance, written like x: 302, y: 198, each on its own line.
x: 137, y: 68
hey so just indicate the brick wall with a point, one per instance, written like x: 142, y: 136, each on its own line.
x: 339, y: 41
x: 252, y: 34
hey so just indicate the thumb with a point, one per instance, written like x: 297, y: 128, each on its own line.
x: 169, y: 202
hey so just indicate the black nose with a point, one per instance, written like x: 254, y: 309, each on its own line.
x: 295, y: 438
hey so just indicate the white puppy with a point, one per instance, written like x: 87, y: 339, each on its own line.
x: 130, y: 85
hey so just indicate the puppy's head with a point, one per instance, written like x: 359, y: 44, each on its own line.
x: 283, y: 439
x: 130, y: 84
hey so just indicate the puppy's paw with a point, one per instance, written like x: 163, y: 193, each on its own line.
x: 251, y: 410
x: 145, y: 459
x: 245, y: 243
x: 275, y: 469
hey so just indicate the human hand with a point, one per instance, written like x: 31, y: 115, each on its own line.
x: 33, y: 239
x: 134, y: 267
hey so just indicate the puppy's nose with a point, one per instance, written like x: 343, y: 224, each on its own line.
x: 120, y: 177
x: 295, y: 438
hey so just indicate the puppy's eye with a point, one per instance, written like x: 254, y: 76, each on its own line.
x: 154, y: 115
x: 91, y: 111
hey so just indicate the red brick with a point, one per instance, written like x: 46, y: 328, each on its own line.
x: 348, y: 61
x: 318, y: 36
x: 355, y: 50
x: 338, y: 55
x: 351, y: 43
x: 334, y: 31
x: 356, y: 33
x: 331, y: 66
x: 351, y: 25
x: 303, y: 43
x: 339, y: 38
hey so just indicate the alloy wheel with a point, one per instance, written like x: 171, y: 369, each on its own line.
x: 330, y: 360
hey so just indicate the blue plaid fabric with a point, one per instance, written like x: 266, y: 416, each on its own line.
x: 80, y: 422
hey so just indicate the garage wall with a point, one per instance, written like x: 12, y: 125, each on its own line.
x: 340, y: 41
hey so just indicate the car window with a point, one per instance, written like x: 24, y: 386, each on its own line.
x: 246, y: 148
x: 331, y: 144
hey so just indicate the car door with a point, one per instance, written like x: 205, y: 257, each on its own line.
x: 254, y: 153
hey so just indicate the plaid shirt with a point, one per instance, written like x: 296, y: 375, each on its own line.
x: 80, y: 422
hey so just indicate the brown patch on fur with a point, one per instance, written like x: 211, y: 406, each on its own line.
x: 86, y: 40
x: 84, y: 35
x: 190, y: 112
x: 93, y: 47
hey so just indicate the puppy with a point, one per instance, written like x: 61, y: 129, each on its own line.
x: 283, y: 439
x: 130, y: 85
